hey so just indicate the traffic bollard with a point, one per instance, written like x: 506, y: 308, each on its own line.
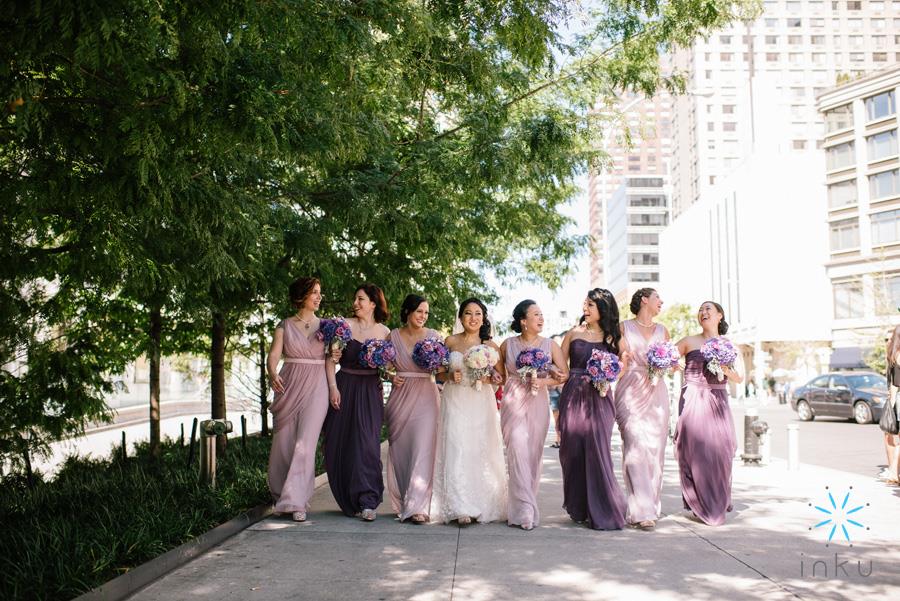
x: 754, y: 430
x: 209, y: 429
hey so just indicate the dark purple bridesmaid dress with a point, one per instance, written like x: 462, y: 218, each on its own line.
x: 591, y: 492
x: 353, y: 436
x: 705, y: 442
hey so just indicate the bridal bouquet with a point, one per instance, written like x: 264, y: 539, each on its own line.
x: 335, y: 333
x: 431, y: 354
x: 480, y: 360
x: 529, y: 363
x: 378, y: 354
x: 718, y: 352
x: 661, y: 357
x: 602, y: 369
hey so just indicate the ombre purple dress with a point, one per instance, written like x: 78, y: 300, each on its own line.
x: 705, y: 442
x: 353, y: 436
x: 591, y: 492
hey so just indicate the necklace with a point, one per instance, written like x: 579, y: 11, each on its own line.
x: 306, y: 323
x: 527, y: 344
x: 650, y: 325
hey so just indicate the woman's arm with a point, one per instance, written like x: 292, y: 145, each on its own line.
x: 274, y: 357
x: 334, y: 395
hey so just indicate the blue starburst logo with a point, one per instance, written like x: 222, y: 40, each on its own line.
x: 838, y: 517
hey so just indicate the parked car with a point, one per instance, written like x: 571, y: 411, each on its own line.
x: 858, y: 395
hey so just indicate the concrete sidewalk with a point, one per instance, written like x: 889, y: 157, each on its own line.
x: 766, y: 550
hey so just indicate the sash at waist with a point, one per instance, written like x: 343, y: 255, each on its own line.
x: 305, y: 361
x: 577, y: 372
x: 359, y: 372
x: 705, y: 384
x: 413, y: 374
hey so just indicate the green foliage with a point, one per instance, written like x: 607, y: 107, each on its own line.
x: 680, y: 319
x: 876, y: 358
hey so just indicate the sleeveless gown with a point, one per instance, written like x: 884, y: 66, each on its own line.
x: 469, y: 472
x: 591, y: 492
x: 298, y: 413
x: 642, y: 413
x: 705, y: 442
x: 525, y: 419
x: 353, y: 436
x: 412, y: 417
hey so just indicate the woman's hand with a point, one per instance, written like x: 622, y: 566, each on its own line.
x: 277, y: 383
x: 336, y: 355
x: 398, y: 380
x: 457, y: 376
x: 334, y: 397
x: 496, y: 378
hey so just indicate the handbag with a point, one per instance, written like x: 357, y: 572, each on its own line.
x: 888, y: 422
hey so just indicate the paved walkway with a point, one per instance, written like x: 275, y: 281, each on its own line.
x: 766, y: 550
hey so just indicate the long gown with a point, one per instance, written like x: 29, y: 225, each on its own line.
x: 642, y: 412
x: 298, y: 413
x: 412, y: 417
x: 524, y: 419
x: 705, y: 442
x: 353, y: 436
x: 591, y: 492
x: 469, y: 471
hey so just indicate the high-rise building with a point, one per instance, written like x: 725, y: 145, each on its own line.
x: 756, y: 83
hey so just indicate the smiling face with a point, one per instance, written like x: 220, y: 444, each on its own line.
x: 590, y: 311
x: 472, y: 318
x: 533, y: 321
x: 314, y: 299
x: 708, y: 316
x: 653, y: 302
x: 363, y: 306
x: 418, y: 317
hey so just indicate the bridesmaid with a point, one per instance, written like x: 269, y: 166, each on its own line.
x: 525, y: 417
x: 411, y: 414
x: 590, y: 490
x: 301, y: 400
x: 705, y: 442
x: 642, y: 412
x: 353, y: 424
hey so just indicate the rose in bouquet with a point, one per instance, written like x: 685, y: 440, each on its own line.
x: 480, y: 361
x: 718, y: 352
x: 431, y: 354
x: 530, y: 363
x: 661, y: 357
x: 378, y: 354
x: 602, y: 369
x: 335, y: 333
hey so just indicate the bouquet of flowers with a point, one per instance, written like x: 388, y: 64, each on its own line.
x: 431, y: 354
x: 661, y: 357
x: 335, y: 333
x: 378, y: 354
x: 602, y: 369
x: 529, y: 363
x: 718, y: 352
x: 480, y: 360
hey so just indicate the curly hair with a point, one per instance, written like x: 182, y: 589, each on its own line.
x: 300, y: 289
x: 609, y: 316
x: 636, y: 299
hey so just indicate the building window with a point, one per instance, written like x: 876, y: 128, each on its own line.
x: 886, y: 227
x: 817, y: 40
x: 882, y: 145
x: 848, y: 300
x: 879, y: 57
x: 794, y: 21
x: 710, y: 126
x: 643, y: 277
x: 856, y: 41
x: 840, y: 156
x: 643, y: 239
x: 877, y: 23
x: 725, y: 57
x: 889, y: 300
x: 792, y: 6
x: 844, y: 234
x: 727, y: 109
x: 838, y: 118
x: 646, y: 201
x: 854, y: 24
x: 884, y: 184
x: 880, y: 106
x: 798, y: 92
x: 724, y: 39
x: 771, y: 39
x: 799, y: 144
x: 876, y: 5
x: 648, y: 219
x: 854, y: 5
x: 818, y: 58
x: 772, y: 57
x: 842, y: 194
x: 643, y: 259
x: 645, y: 182
x: 879, y: 41
x: 771, y: 23
x: 795, y: 39
x: 729, y: 126
x: 817, y: 22
x: 857, y: 57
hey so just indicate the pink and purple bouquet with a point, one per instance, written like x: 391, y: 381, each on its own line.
x: 480, y: 361
x: 335, y: 333
x: 431, y: 354
x: 529, y: 363
x: 718, y: 352
x: 661, y: 357
x: 602, y: 369
x: 378, y: 354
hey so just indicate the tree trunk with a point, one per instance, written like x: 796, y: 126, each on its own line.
x: 217, y: 375
x: 154, y: 358
x: 263, y: 384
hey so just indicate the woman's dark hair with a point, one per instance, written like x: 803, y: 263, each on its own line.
x: 300, y: 289
x: 892, y: 348
x: 519, y: 314
x: 375, y: 295
x: 637, y: 296
x: 609, y: 316
x: 485, y: 331
x: 410, y: 304
x: 723, y: 325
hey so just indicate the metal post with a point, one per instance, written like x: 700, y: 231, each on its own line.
x: 124, y: 450
x: 181, y: 438
x: 243, y: 431
x: 210, y: 429
x: 190, y: 459
x: 793, y: 431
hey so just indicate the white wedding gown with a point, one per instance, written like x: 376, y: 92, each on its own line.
x: 469, y: 472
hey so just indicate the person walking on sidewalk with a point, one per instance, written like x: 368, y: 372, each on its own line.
x: 891, y: 441
x: 705, y: 441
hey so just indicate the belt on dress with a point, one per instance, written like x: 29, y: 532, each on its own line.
x: 359, y: 372
x: 577, y: 371
x: 412, y: 374
x: 705, y: 384
x: 305, y: 361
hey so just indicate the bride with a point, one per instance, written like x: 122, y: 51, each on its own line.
x: 469, y: 473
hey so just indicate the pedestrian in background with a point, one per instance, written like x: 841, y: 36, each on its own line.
x: 891, y: 441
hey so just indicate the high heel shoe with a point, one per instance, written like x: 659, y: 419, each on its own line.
x: 299, y: 516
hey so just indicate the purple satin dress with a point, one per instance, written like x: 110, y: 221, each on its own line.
x: 705, y: 442
x: 591, y: 492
